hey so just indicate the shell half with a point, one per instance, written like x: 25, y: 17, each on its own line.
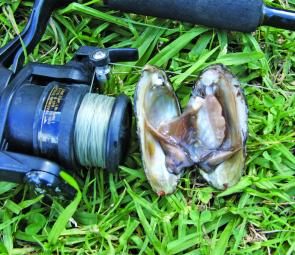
x: 155, y: 104
x: 222, y: 126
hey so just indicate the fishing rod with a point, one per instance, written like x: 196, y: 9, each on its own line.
x: 235, y: 15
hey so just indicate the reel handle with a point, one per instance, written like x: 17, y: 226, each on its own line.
x: 102, y: 57
x: 40, y: 174
x: 123, y: 54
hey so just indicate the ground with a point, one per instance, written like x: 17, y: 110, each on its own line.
x: 119, y: 213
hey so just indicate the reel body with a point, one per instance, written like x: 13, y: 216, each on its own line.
x: 39, y: 106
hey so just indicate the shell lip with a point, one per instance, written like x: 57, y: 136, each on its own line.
x: 166, y: 83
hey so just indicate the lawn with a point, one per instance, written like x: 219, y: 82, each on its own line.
x: 119, y: 213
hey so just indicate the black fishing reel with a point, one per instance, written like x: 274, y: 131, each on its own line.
x: 40, y: 106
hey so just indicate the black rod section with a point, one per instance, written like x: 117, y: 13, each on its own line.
x: 278, y: 18
x: 235, y: 15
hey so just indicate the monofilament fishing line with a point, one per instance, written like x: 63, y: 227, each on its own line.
x: 91, y: 130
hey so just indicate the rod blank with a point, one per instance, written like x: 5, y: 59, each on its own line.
x: 278, y: 18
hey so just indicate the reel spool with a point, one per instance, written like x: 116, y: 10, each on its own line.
x: 59, y: 122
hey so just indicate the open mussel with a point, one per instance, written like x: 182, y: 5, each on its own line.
x: 210, y: 133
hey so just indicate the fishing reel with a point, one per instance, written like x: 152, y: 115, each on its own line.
x: 51, y: 117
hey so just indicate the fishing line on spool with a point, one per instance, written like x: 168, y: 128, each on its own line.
x: 91, y: 129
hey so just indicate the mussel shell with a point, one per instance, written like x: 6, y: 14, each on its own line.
x: 155, y: 103
x: 224, y: 167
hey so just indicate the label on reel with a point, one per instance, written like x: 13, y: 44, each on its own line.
x: 49, y: 126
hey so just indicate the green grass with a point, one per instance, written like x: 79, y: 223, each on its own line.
x: 119, y: 214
